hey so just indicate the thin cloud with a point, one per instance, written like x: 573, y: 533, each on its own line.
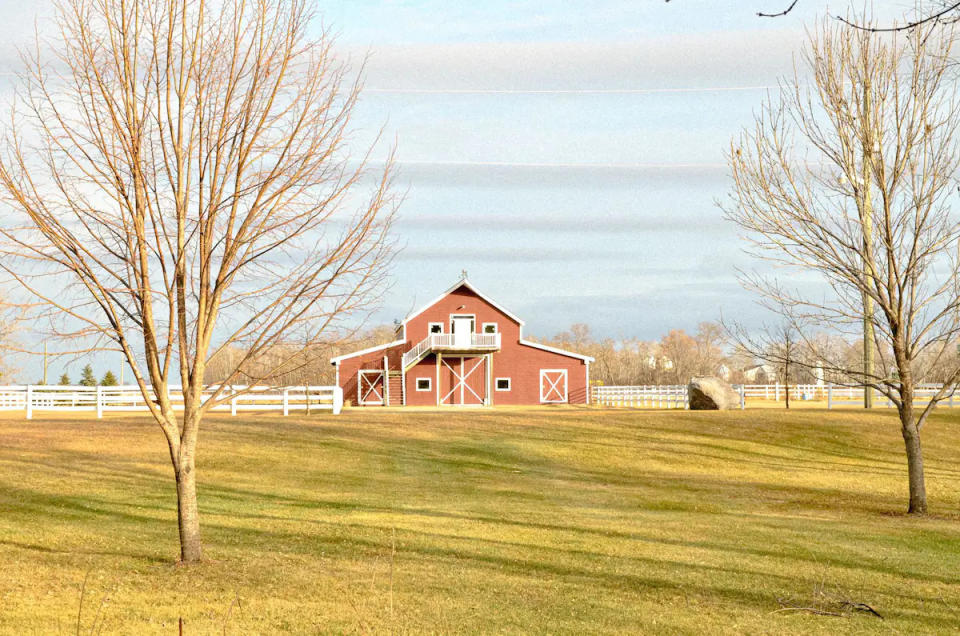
x: 568, y: 91
x: 649, y: 222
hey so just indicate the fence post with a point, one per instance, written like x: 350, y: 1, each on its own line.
x: 743, y: 397
x: 233, y: 401
x: 951, y: 398
x: 29, y: 404
x: 99, y: 402
x: 286, y: 402
x: 337, y: 400
x: 776, y: 393
x: 829, y: 396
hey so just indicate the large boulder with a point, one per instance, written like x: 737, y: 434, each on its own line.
x: 712, y: 394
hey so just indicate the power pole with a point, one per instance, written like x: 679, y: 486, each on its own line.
x: 867, y: 222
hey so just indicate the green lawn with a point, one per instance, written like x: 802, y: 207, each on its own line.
x: 554, y: 520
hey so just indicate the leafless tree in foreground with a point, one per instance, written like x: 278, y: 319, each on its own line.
x: 182, y: 186
x: 847, y: 183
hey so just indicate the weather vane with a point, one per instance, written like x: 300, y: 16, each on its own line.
x: 463, y: 274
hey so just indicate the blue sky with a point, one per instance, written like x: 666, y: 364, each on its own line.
x: 568, y: 155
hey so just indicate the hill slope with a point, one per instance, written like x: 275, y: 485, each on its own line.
x: 528, y: 520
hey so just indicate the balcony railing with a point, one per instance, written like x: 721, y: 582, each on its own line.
x: 451, y: 341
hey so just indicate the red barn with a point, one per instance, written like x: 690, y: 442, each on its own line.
x: 462, y: 349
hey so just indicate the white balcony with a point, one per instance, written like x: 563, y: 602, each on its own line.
x: 452, y: 342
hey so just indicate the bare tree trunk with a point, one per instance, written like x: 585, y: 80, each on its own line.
x: 188, y: 515
x: 183, y: 445
x: 911, y: 439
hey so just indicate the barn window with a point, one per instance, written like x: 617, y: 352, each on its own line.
x: 436, y: 327
x: 503, y: 384
x: 489, y: 327
x: 423, y: 384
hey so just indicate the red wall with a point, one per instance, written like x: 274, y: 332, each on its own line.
x: 417, y: 328
x: 373, y: 360
x: 520, y: 363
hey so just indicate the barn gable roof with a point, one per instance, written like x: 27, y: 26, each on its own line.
x: 463, y: 282
x: 337, y: 359
x: 562, y: 352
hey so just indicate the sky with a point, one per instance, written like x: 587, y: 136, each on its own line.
x: 569, y: 156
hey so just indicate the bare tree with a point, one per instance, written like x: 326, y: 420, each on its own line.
x: 848, y: 182
x: 940, y: 12
x: 10, y: 317
x: 182, y: 186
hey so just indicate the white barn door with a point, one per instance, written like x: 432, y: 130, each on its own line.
x: 466, y: 379
x: 462, y: 328
x: 370, y: 387
x: 553, y: 386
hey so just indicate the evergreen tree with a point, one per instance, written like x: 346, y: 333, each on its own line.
x: 86, y: 377
x: 108, y: 379
x: 64, y: 380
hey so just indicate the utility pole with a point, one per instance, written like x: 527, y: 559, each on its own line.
x: 44, y: 362
x: 866, y: 213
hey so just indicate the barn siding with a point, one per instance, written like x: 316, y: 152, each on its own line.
x: 373, y: 360
x: 521, y: 363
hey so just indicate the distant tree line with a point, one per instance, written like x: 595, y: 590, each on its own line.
x: 87, y: 378
x: 672, y: 359
x: 292, y: 364
x: 678, y: 356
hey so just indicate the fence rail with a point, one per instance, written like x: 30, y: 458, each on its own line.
x: 101, y: 399
x: 674, y: 396
x: 647, y: 396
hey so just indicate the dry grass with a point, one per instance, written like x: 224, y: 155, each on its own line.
x: 549, y: 520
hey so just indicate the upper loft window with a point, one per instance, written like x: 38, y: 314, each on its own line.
x: 435, y: 327
x: 490, y: 327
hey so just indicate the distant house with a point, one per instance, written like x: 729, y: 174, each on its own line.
x: 463, y: 349
x: 760, y: 374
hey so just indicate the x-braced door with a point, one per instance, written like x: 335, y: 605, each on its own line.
x: 370, y: 387
x: 467, y: 382
x: 553, y: 385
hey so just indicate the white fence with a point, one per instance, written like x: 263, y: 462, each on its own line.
x: 101, y: 399
x: 675, y: 396
x: 650, y: 396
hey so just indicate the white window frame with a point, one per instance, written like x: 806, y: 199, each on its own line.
x: 430, y: 327
x: 416, y: 384
x: 483, y: 327
x: 496, y: 386
x: 566, y: 392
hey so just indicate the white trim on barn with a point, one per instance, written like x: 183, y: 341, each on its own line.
x: 378, y: 375
x: 552, y: 386
x: 463, y: 283
x: 368, y: 350
x: 537, y: 345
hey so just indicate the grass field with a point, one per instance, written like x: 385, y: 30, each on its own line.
x: 557, y: 520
